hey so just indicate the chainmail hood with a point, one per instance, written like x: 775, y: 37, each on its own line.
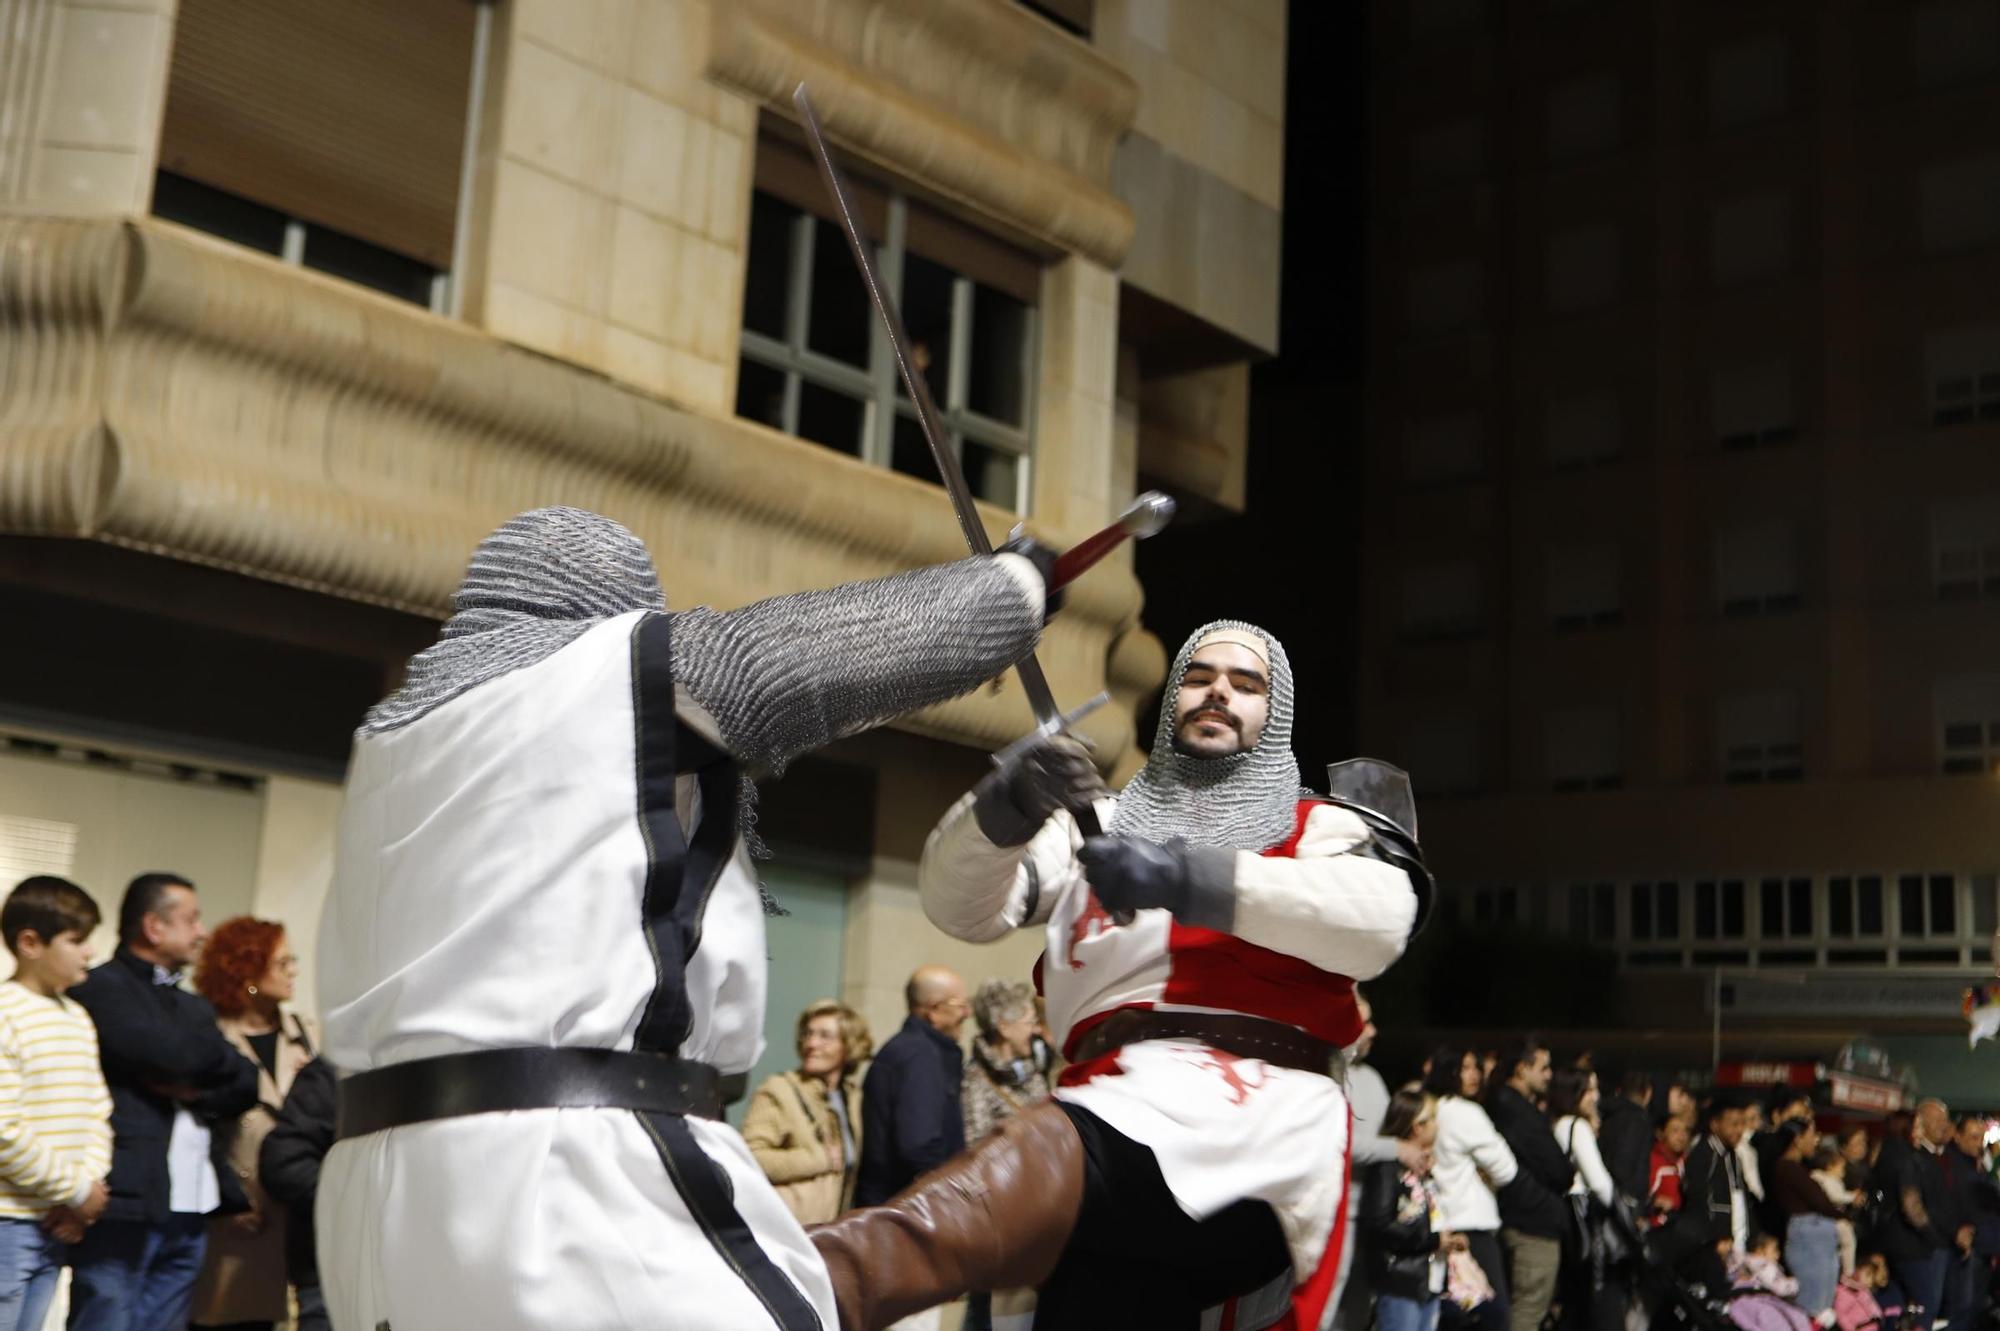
x: 1246, y: 801
x: 538, y: 583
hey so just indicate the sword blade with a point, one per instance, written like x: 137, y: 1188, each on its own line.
x: 1033, y: 682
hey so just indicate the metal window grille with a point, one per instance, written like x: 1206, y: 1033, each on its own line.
x: 1969, y: 747
x: 816, y: 365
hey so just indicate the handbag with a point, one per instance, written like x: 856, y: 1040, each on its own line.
x: 1465, y: 1282
x: 1606, y: 1235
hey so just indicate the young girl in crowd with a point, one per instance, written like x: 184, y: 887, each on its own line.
x: 1830, y: 1172
x: 1762, y: 1295
x: 1400, y: 1234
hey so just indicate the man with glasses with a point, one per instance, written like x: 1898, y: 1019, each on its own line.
x: 910, y: 1121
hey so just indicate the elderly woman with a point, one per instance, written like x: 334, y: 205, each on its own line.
x: 1006, y: 1073
x: 1003, y: 1075
x: 804, y: 1127
x: 248, y: 971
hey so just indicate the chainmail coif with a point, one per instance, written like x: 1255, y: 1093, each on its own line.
x: 538, y: 583
x: 1245, y: 801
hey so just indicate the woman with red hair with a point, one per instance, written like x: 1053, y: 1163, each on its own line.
x: 248, y: 971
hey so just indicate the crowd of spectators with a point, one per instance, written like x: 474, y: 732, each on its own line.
x: 163, y: 1142
x: 150, y: 1132
x: 1528, y: 1196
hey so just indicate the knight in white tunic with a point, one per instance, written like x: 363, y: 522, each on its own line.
x: 1199, y: 970
x: 543, y: 952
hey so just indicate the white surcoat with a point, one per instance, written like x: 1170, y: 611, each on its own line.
x: 489, y: 892
x: 1311, y: 918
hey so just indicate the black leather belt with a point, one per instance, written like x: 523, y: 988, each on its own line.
x: 489, y: 1081
x: 1248, y: 1037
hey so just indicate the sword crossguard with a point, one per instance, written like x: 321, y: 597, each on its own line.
x: 1055, y: 725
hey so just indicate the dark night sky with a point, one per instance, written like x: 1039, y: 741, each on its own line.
x: 1290, y: 562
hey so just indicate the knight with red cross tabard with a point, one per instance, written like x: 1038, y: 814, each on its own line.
x: 1199, y: 970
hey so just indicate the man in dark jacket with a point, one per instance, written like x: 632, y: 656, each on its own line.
x: 1534, y: 1214
x: 288, y: 1167
x: 1714, y: 1216
x: 910, y: 1115
x: 1625, y: 1136
x: 1922, y: 1235
x: 172, y: 1076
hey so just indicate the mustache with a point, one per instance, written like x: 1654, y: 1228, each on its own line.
x: 1222, y: 714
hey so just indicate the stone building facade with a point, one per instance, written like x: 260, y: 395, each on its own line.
x: 298, y: 300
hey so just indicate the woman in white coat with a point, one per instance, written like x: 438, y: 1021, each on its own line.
x: 1471, y: 1162
x: 1595, y: 1294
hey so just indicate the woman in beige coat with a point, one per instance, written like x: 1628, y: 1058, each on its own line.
x: 804, y: 1127
x: 248, y: 971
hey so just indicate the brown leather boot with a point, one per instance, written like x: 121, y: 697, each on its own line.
x: 996, y: 1217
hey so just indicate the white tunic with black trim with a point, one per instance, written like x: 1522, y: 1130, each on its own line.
x: 490, y: 884
x: 1310, y: 920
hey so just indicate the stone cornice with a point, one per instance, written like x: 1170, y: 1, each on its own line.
x: 167, y: 392
x: 979, y: 99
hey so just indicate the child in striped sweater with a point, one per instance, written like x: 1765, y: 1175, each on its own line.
x: 55, y: 1111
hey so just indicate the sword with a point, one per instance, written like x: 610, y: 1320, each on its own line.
x: 1146, y: 516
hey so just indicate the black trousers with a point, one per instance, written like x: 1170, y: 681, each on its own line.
x: 1136, y: 1259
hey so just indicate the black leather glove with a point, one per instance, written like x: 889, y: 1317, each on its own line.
x: 1129, y: 873
x: 1043, y: 557
x: 1013, y: 801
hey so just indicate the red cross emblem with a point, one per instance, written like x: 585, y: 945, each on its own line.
x: 1093, y: 921
x: 1229, y: 1068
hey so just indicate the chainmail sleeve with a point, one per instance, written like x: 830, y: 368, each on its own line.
x: 785, y: 676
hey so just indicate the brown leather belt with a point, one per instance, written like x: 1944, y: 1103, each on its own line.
x: 1247, y: 1037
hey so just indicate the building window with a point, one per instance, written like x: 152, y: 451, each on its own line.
x: 1656, y: 912
x: 295, y: 241
x: 816, y: 365
x: 1593, y: 911
x: 1854, y: 907
x: 1750, y: 237
x: 1719, y: 909
x: 1926, y: 905
x: 353, y: 127
x: 1965, y: 548
x: 1443, y: 297
x: 1583, y: 428
x: 1756, y: 569
x: 1786, y: 908
x: 1443, y: 450
x: 1750, y: 406
x: 1583, y: 117
x: 1985, y: 905
x: 1758, y: 734
x: 1583, y: 269
x: 1955, y: 41
x: 1441, y: 600
x: 1448, y: 154
x: 1968, y: 718
x: 1960, y: 203
x: 1583, y: 587
x: 1962, y: 367
x: 1440, y: 751
x: 1748, y: 81
x: 1583, y: 750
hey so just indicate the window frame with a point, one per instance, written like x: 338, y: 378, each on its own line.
x: 294, y: 237
x: 880, y: 382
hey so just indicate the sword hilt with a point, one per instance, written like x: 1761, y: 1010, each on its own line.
x: 1145, y: 517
